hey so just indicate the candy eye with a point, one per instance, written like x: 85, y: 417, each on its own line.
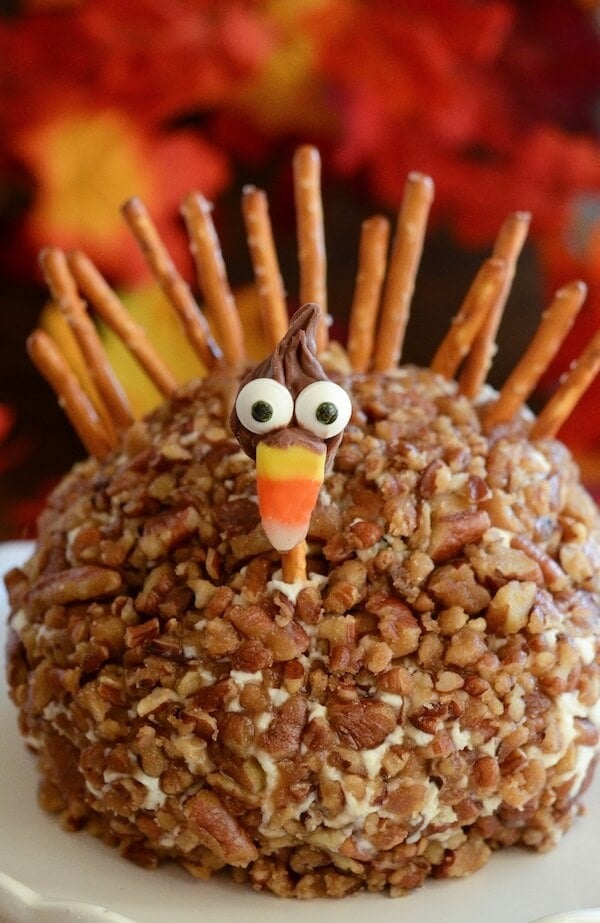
x: 264, y: 405
x: 323, y: 408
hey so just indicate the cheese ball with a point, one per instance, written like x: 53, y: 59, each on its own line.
x: 430, y: 693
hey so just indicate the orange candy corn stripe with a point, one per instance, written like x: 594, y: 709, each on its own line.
x: 289, y: 501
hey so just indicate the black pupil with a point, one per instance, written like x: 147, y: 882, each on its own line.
x: 326, y: 412
x: 262, y: 411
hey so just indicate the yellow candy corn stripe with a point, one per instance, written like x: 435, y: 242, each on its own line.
x: 289, y: 462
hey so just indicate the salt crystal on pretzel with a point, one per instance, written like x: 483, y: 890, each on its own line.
x: 372, y: 260
x: 114, y: 315
x: 547, y: 340
x: 311, y: 235
x: 212, y: 276
x: 402, y: 271
x: 115, y: 406
x: 269, y: 284
x: 483, y: 293
x: 507, y: 247
x: 49, y: 361
x: 173, y: 285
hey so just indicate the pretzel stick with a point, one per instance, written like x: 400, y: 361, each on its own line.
x: 555, y: 325
x: 173, y: 285
x: 404, y: 263
x: 511, y: 237
x: 212, y: 276
x: 312, y: 256
x: 293, y: 564
x: 269, y: 284
x: 71, y: 397
x: 507, y: 247
x: 572, y: 387
x: 115, y: 405
x: 115, y: 316
x: 467, y: 322
x: 372, y: 257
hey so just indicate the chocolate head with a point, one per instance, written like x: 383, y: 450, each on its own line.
x: 289, y: 398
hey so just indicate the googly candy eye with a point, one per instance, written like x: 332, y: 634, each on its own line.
x: 264, y: 405
x: 323, y: 408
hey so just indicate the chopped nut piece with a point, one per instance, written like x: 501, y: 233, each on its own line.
x: 154, y: 700
x: 397, y: 624
x: 508, y: 612
x: 364, y: 724
x: 451, y: 533
x: 465, y: 648
x: 219, y: 830
x: 282, y: 738
x: 76, y: 584
x: 139, y: 634
x: 157, y: 585
x: 165, y: 532
x: 448, y: 681
x: 455, y: 585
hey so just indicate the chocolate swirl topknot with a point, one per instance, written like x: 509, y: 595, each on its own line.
x: 294, y: 365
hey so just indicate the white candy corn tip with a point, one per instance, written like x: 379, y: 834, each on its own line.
x: 284, y: 536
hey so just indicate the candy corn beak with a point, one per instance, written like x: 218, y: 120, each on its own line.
x: 288, y: 479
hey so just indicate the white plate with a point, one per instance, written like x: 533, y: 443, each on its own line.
x: 49, y: 876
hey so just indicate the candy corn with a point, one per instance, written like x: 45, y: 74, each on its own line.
x: 288, y: 481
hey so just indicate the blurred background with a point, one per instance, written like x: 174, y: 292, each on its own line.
x: 498, y: 101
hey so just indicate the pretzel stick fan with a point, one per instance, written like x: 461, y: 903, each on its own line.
x: 375, y: 341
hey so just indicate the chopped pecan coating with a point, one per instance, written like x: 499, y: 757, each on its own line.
x: 428, y: 693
